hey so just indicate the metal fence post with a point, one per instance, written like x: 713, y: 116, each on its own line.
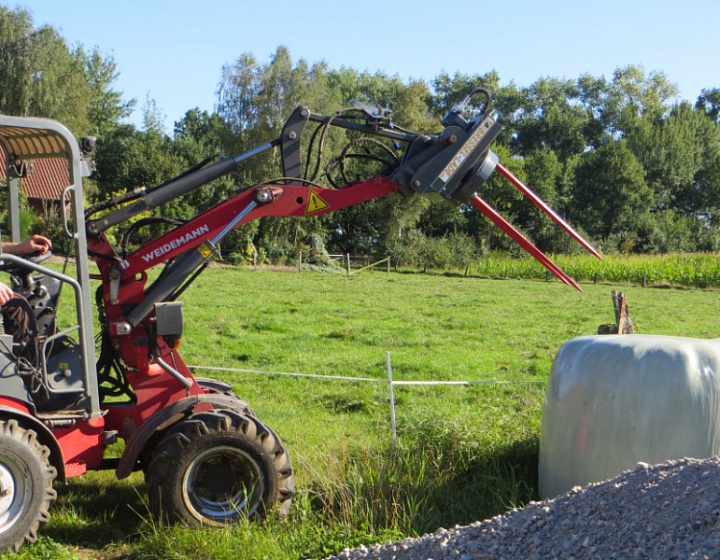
x: 393, y: 425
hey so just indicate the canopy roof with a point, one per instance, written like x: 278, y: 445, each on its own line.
x: 31, y: 139
x: 37, y: 143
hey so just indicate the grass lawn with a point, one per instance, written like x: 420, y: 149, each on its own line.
x: 464, y: 452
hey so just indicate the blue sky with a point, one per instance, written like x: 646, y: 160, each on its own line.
x: 173, y: 51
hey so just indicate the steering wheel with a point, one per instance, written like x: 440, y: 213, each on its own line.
x: 35, y: 258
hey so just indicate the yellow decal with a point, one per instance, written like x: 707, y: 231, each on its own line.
x: 205, y: 250
x: 315, y: 203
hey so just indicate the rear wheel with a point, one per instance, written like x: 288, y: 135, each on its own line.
x: 217, y: 466
x: 26, y: 485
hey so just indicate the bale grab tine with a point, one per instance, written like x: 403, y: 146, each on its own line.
x: 505, y: 172
x: 492, y: 214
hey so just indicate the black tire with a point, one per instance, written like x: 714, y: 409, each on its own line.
x: 218, y: 466
x: 26, y: 485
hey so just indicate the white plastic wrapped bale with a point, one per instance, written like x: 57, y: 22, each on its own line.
x: 615, y: 401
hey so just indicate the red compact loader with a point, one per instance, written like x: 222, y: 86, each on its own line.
x: 66, y: 394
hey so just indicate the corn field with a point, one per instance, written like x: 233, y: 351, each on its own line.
x: 700, y: 270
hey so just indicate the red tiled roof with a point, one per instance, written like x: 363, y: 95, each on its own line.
x: 46, y: 177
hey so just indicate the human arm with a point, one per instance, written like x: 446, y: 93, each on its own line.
x: 33, y: 244
x: 5, y: 294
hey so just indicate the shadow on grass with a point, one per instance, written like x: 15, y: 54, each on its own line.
x: 97, y: 510
x: 489, y: 484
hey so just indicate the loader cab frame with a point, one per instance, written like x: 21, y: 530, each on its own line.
x: 24, y: 140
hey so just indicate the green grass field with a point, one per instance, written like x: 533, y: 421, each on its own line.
x: 463, y: 453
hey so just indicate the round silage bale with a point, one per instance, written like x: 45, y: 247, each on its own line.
x: 615, y: 401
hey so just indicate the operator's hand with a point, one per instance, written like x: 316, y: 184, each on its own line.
x: 6, y: 294
x: 33, y: 244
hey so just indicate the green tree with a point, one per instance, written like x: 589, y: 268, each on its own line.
x: 673, y: 150
x: 551, y: 119
x: 127, y: 158
x: 709, y: 101
x: 633, y: 96
x: 610, y: 193
x: 593, y: 94
x: 412, y: 108
x: 449, y: 90
x: 60, y: 88
x: 256, y: 100
x: 548, y: 178
x: 107, y: 107
x: 40, y: 75
x: 16, y: 73
x: 375, y: 89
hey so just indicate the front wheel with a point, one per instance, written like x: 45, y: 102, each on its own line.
x: 26, y: 485
x: 217, y: 466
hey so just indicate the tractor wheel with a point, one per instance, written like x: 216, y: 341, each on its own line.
x: 218, y: 466
x: 26, y: 485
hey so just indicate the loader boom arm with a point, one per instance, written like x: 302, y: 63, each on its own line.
x: 453, y: 163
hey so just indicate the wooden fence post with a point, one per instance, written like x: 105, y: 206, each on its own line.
x: 622, y: 313
x: 623, y: 322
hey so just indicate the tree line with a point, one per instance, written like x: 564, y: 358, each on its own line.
x: 621, y: 158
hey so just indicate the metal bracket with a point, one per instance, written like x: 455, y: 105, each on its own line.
x: 290, y: 143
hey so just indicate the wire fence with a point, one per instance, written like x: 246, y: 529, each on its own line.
x: 389, y: 381
x: 359, y: 263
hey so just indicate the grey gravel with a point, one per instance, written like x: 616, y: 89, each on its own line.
x: 667, y: 511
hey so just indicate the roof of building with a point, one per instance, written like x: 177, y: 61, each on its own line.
x: 46, y: 178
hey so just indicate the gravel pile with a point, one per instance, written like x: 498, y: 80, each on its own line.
x: 667, y: 511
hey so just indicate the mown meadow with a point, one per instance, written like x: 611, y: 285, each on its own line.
x: 463, y: 453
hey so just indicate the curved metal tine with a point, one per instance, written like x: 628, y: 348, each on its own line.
x: 521, y: 240
x: 505, y: 172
